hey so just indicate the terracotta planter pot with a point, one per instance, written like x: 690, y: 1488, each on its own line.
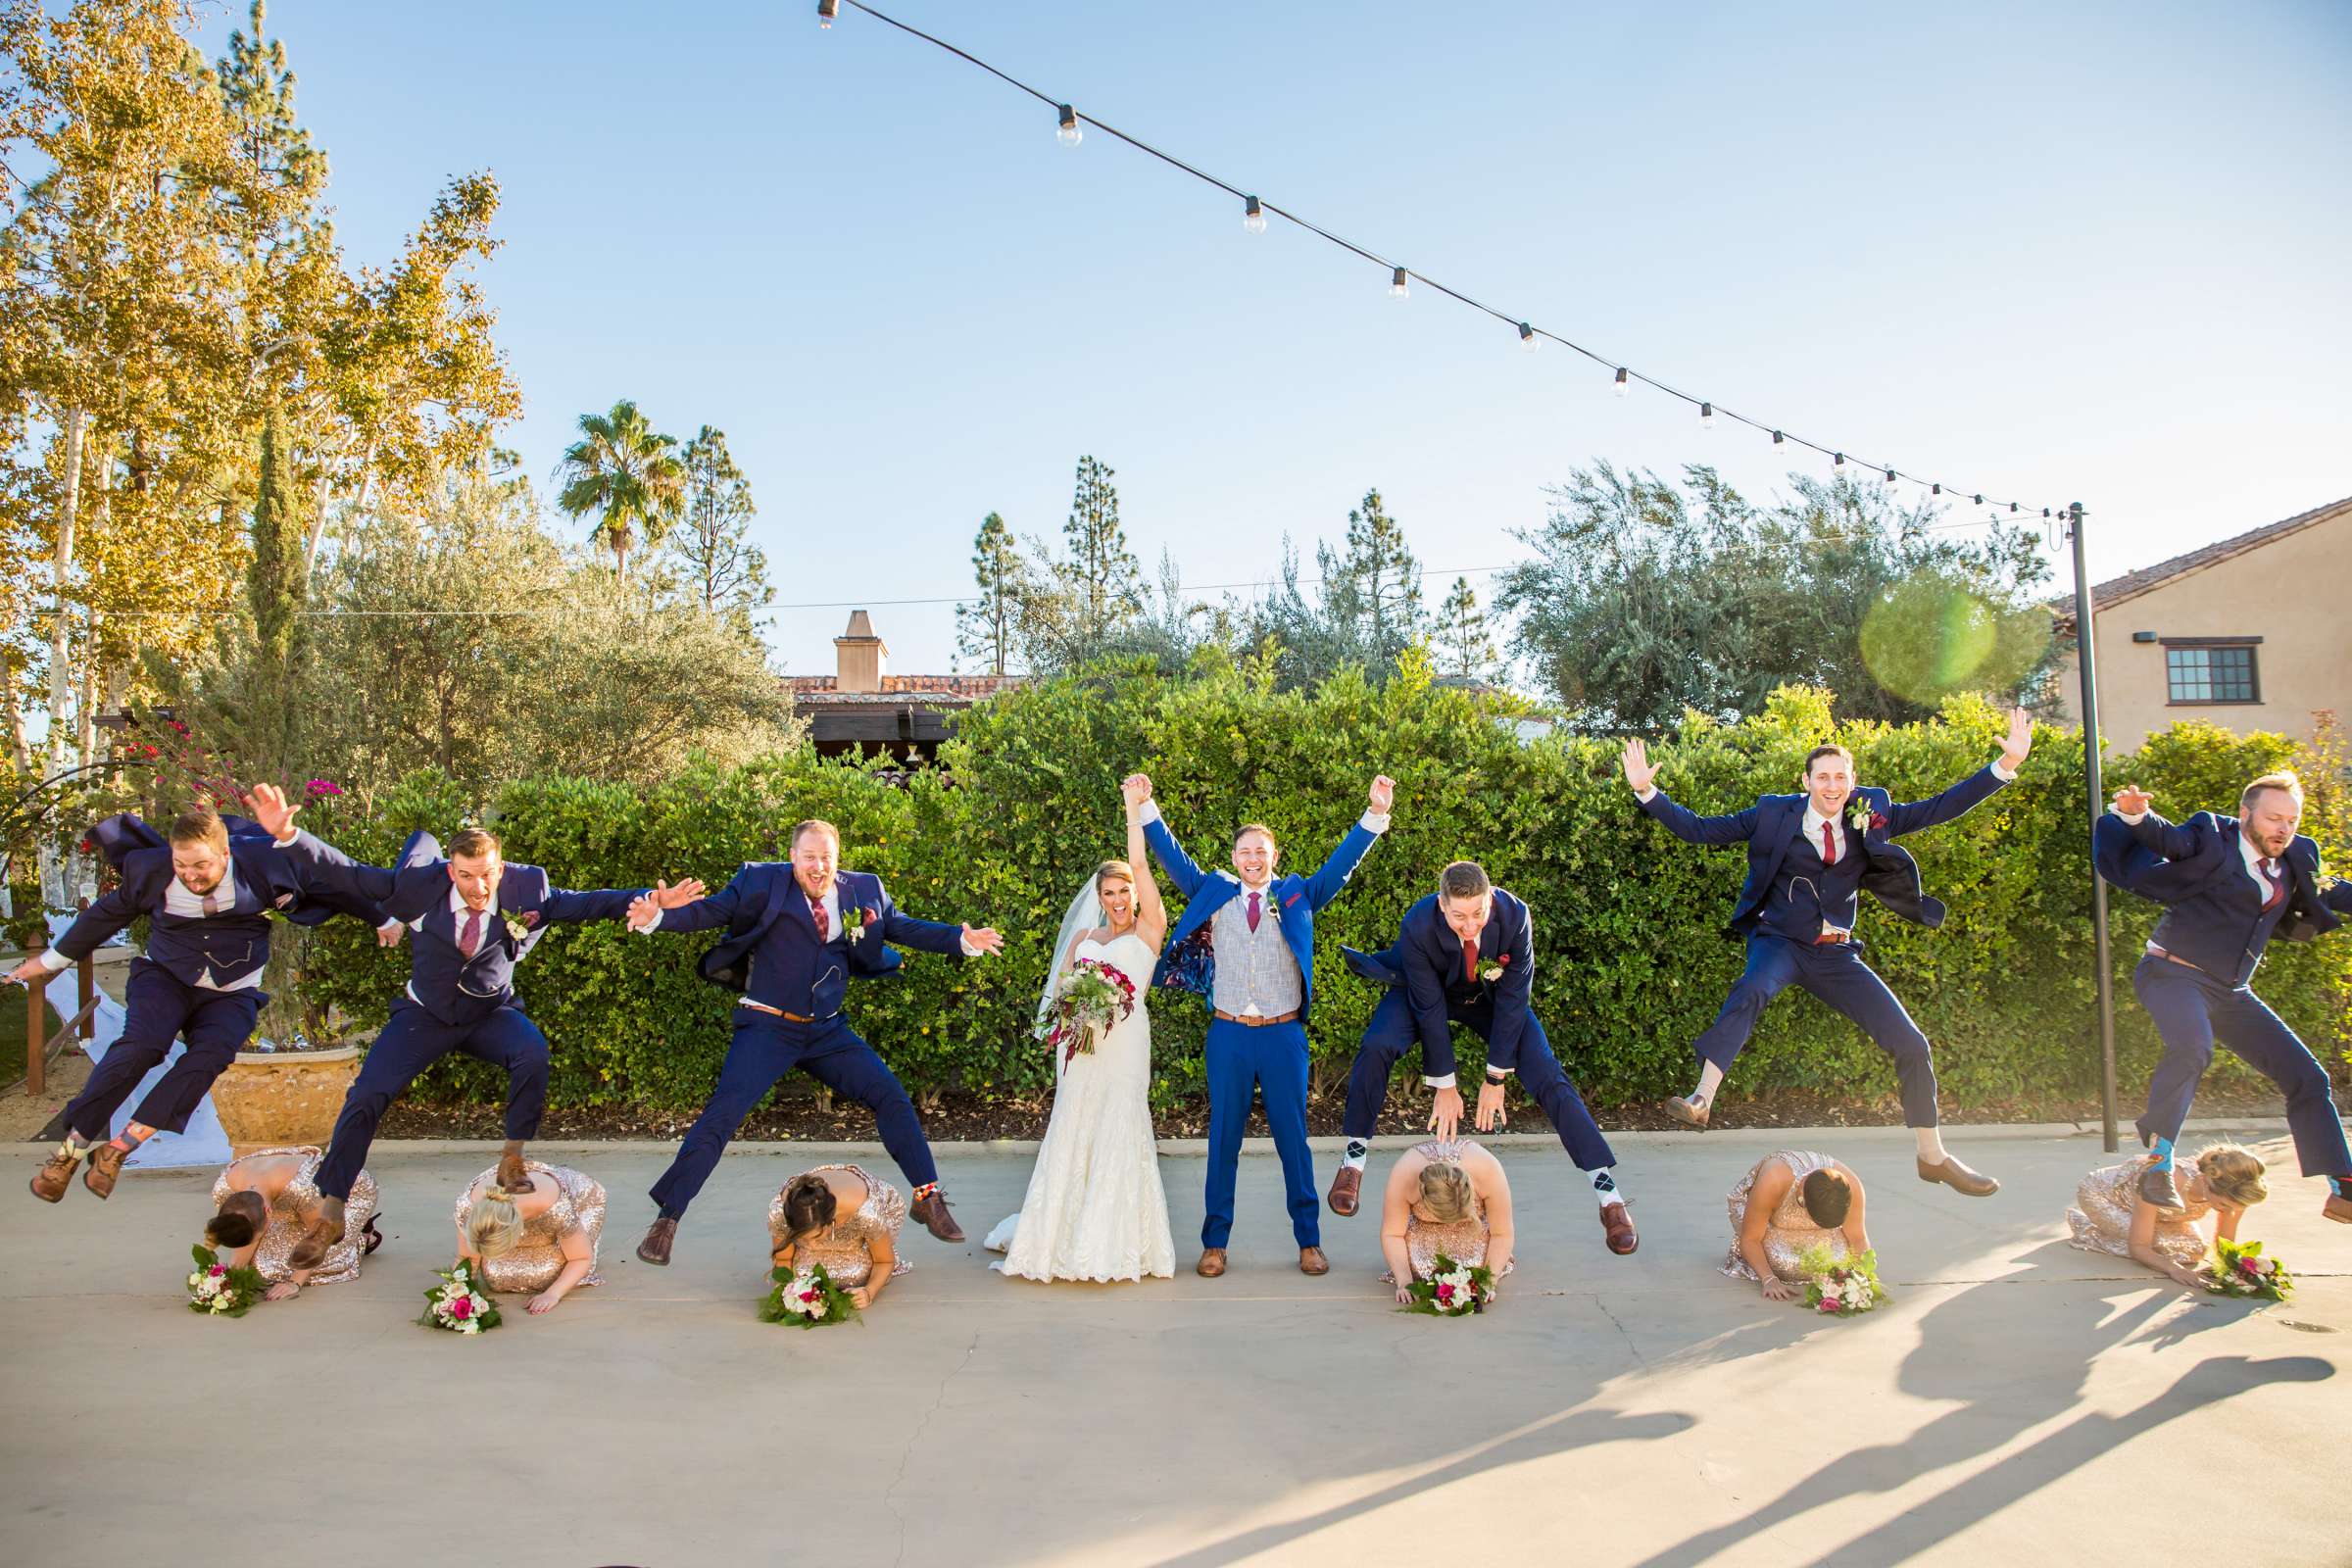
x: 269, y: 1099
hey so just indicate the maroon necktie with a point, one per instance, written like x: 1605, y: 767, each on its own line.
x: 2269, y: 874
x: 817, y: 912
x: 1253, y: 911
x: 471, y: 939
x: 1829, y: 846
x: 1470, y: 960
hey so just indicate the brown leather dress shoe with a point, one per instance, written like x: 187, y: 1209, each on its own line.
x: 933, y: 1212
x: 2337, y: 1208
x: 654, y: 1249
x: 1345, y: 1189
x: 1211, y: 1264
x: 1312, y: 1262
x: 511, y: 1174
x: 1958, y: 1177
x: 325, y: 1230
x: 56, y: 1174
x: 1691, y: 1113
x: 106, y: 1164
x: 1618, y: 1226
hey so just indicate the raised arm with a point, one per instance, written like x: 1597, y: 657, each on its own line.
x: 748, y: 887
x: 2136, y: 809
x: 1189, y: 876
x: 1909, y: 816
x: 315, y: 860
x: 1333, y: 874
x: 1150, y: 910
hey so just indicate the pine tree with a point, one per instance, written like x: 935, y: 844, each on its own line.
x: 722, y: 568
x: 1101, y: 579
x: 1385, y: 577
x: 273, y: 593
x: 1464, y: 647
x: 988, y: 626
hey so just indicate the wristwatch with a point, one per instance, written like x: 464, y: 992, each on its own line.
x: 1498, y: 1079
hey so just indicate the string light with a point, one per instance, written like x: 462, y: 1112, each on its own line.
x: 1706, y: 416
x: 1069, y: 134
x: 1890, y: 478
x: 1780, y: 446
x: 1253, y: 217
x: 1838, y: 466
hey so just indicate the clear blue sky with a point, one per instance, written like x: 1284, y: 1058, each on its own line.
x: 2063, y: 252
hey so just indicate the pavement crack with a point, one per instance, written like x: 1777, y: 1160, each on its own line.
x: 890, y: 1493
x: 1639, y: 1359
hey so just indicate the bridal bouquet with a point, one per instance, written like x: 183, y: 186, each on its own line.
x: 1840, y: 1286
x: 2240, y: 1269
x: 219, y: 1291
x: 1091, y: 997
x: 807, y: 1298
x: 1452, y: 1290
x: 460, y: 1305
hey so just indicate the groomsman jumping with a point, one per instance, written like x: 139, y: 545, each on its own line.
x: 207, y: 888
x: 475, y: 916
x: 1467, y: 954
x: 797, y: 931
x: 2229, y: 885
x: 1810, y: 857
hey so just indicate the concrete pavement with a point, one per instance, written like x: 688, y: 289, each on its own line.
x: 2015, y: 1397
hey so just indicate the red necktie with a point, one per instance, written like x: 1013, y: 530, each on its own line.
x: 1829, y: 846
x: 817, y: 912
x: 1254, y: 910
x: 471, y: 939
x: 2277, y: 883
x: 1470, y: 960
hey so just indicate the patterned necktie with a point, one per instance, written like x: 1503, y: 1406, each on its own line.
x: 2269, y: 874
x: 817, y: 912
x: 469, y: 940
x: 1469, y: 961
x: 1253, y: 912
x: 1829, y: 846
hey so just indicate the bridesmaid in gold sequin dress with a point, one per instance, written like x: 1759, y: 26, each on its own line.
x: 541, y: 1239
x: 846, y: 1219
x: 2110, y: 1216
x: 1447, y: 1197
x: 266, y: 1199
x: 1792, y: 1202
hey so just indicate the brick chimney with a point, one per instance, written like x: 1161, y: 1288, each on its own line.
x: 859, y: 657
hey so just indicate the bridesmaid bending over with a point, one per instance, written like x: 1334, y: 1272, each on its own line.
x: 266, y: 1199
x: 2110, y: 1216
x: 844, y: 1219
x: 541, y: 1237
x: 1791, y: 1203
x: 1450, y: 1198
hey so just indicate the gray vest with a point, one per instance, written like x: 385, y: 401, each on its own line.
x: 1255, y: 969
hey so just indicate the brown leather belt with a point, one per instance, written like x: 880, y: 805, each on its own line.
x: 2156, y: 952
x: 1829, y: 937
x: 778, y: 1012
x: 1256, y: 1020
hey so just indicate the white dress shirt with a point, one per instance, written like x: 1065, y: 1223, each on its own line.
x: 180, y: 901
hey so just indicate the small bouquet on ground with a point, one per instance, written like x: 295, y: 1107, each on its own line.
x: 217, y: 1290
x: 2240, y: 1269
x: 460, y: 1305
x: 1452, y: 1290
x: 807, y: 1298
x: 1840, y: 1286
x: 1091, y: 997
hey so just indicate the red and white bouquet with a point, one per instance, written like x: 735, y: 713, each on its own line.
x: 461, y: 1305
x: 1840, y: 1286
x: 219, y: 1291
x: 1092, y: 999
x: 1452, y: 1290
x: 807, y: 1298
x: 2240, y: 1269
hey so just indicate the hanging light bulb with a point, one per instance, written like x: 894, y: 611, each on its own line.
x: 1837, y: 467
x: 1706, y: 416
x: 1935, y: 489
x: 1890, y: 478
x: 1253, y: 217
x: 1619, y: 386
x: 826, y: 11
x: 1397, y: 286
x: 1068, y: 133
x: 1979, y: 500
x: 1527, y: 337
x: 2013, y: 508
x: 1780, y: 448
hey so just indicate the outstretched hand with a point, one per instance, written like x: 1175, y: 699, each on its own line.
x: 1136, y: 789
x: 2131, y: 802
x: 2019, y: 741
x: 272, y: 809
x: 983, y: 939
x: 667, y: 896
x: 643, y: 912
x: 1638, y: 769
x: 24, y: 973
x: 1383, y: 795
x: 1775, y: 1289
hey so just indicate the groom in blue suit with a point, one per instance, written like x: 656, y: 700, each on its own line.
x: 797, y: 931
x: 1810, y: 857
x: 2229, y: 886
x: 1248, y: 940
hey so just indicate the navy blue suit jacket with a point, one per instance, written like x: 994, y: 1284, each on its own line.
x: 1767, y: 827
x: 1427, y: 962
x: 766, y: 913
x: 415, y: 892
x: 2196, y: 871
x: 1189, y: 960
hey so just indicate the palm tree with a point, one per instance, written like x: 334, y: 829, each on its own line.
x: 628, y: 474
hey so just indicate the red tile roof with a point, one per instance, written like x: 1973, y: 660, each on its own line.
x: 2131, y: 584
x: 899, y: 689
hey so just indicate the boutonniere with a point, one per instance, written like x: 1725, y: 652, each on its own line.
x: 1492, y: 971
x: 852, y: 922
x: 519, y: 926
x: 1862, y: 820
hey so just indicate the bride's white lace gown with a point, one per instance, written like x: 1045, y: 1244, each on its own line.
x: 1096, y: 1210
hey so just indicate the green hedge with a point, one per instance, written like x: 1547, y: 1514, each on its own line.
x: 1631, y: 964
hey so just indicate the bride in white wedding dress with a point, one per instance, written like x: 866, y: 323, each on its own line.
x: 1096, y: 1210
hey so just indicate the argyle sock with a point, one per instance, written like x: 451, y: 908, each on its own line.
x: 1358, y: 1148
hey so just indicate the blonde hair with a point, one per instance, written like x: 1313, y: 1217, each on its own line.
x: 2232, y: 1174
x: 495, y: 1227
x: 1117, y: 868
x: 2283, y: 779
x: 1445, y: 1191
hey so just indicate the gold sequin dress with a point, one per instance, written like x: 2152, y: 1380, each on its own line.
x: 1464, y: 1240
x: 2101, y: 1219
x: 843, y: 1249
x: 580, y: 1205
x: 285, y: 1227
x: 1790, y: 1231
